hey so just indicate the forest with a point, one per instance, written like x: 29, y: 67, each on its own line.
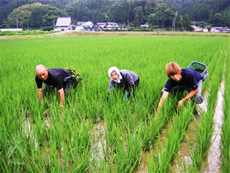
x: 42, y: 14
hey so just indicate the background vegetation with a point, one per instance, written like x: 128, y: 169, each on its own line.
x: 157, y: 13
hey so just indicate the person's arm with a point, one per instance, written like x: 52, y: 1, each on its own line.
x: 40, y: 95
x: 61, y: 96
x: 163, y: 98
x: 189, y: 95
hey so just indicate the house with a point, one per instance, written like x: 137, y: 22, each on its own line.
x: 86, y: 24
x: 101, y: 24
x: 217, y: 29
x: 144, y: 27
x: 97, y: 28
x: 83, y: 26
x: 197, y: 28
x: 63, y: 24
x: 111, y: 26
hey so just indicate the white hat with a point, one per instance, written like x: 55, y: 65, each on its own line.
x: 113, y: 68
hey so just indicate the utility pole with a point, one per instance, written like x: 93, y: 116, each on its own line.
x: 174, y: 24
x: 17, y: 22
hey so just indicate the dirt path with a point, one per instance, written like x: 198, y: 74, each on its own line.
x: 75, y: 33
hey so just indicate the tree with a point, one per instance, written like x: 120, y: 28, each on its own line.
x: 21, y: 16
x: 35, y: 16
x: 187, y: 22
x: 152, y: 20
x: 226, y: 17
x: 119, y: 11
x: 218, y: 19
x: 149, y: 7
x: 45, y: 16
x: 162, y: 16
x: 139, y: 16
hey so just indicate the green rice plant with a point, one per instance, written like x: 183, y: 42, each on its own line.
x: 165, y: 155
x: 225, y: 140
x: 63, y: 136
x: 200, y: 151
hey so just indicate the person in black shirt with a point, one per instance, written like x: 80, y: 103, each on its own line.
x: 180, y: 80
x: 59, y: 78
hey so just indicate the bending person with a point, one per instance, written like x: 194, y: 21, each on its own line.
x: 59, y: 78
x: 180, y: 80
x: 123, y: 79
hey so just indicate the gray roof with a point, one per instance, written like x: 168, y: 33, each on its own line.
x: 63, y: 21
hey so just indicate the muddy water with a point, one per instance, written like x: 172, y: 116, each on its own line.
x: 29, y: 133
x: 160, y: 141
x: 98, y: 143
x: 183, y: 158
x: 214, y: 157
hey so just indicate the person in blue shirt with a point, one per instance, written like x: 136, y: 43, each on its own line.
x: 180, y: 80
x: 123, y: 79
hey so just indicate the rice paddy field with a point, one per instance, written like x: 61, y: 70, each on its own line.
x: 94, y: 133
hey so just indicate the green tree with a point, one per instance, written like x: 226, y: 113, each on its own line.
x: 35, y: 16
x: 162, y: 16
x: 149, y: 7
x: 119, y: 11
x: 139, y: 16
x: 152, y: 19
x: 21, y: 16
x: 218, y: 19
x: 226, y: 17
x: 179, y: 22
x: 187, y: 22
x: 44, y: 17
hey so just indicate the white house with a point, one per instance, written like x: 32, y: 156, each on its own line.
x: 197, y: 28
x: 112, y: 26
x: 108, y: 25
x: 87, y: 24
x: 101, y: 24
x: 63, y: 24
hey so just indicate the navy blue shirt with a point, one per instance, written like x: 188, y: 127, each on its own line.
x: 55, y: 78
x: 190, y: 79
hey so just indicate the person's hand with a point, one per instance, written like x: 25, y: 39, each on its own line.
x: 180, y: 103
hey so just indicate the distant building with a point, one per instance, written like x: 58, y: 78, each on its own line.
x: 197, y: 28
x: 217, y: 29
x: 85, y: 24
x: 63, y: 24
x: 144, y: 27
x: 112, y: 26
x: 97, y: 28
x: 109, y: 26
x: 101, y: 24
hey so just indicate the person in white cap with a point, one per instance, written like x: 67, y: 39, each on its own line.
x: 123, y: 79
